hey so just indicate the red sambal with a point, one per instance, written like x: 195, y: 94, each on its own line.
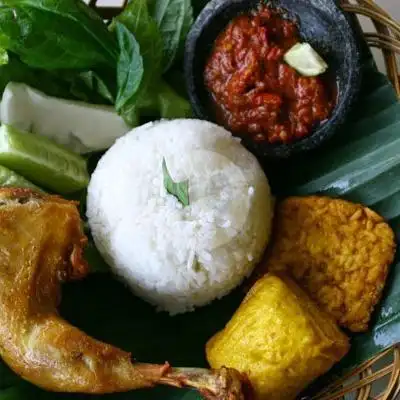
x: 254, y: 91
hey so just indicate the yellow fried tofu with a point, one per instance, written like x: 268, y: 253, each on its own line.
x: 280, y: 338
x: 338, y: 251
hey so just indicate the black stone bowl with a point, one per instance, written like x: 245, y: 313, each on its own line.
x: 321, y: 23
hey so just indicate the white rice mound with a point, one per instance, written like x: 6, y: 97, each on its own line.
x: 172, y: 256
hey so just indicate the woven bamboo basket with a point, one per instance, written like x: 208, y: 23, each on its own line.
x: 379, y: 377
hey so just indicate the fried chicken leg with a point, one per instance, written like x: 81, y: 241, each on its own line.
x: 41, y: 243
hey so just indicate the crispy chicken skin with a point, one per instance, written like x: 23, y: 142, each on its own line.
x: 340, y: 252
x: 41, y: 244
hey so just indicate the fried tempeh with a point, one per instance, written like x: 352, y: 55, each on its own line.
x: 338, y: 251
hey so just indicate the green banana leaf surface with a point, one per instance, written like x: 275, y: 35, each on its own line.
x: 361, y: 163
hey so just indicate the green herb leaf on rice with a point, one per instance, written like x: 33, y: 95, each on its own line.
x: 180, y: 190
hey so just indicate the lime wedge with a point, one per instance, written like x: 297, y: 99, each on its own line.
x: 305, y: 60
x: 9, y: 178
x: 42, y: 161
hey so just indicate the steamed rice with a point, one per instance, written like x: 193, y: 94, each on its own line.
x: 172, y: 256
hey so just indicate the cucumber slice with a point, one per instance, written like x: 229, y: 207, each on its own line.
x: 305, y: 60
x: 78, y: 126
x: 42, y: 161
x: 9, y: 178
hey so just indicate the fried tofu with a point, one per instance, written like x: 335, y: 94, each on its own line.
x: 338, y: 251
x: 280, y: 338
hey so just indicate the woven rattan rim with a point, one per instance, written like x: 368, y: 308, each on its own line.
x: 386, y: 38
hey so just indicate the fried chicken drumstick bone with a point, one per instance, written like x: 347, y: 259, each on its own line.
x: 41, y: 244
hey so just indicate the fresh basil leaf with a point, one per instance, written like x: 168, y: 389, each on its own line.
x: 3, y: 57
x: 130, y: 114
x: 162, y: 101
x: 136, y: 17
x: 53, y: 34
x: 67, y: 84
x: 173, y: 18
x: 91, y: 86
x: 180, y: 190
x: 187, y: 24
x: 130, y: 68
x: 171, y: 104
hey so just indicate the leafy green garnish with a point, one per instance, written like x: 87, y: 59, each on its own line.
x: 153, y: 98
x: 3, y: 57
x: 130, y: 68
x: 174, y: 18
x: 137, y: 19
x: 178, y: 189
x: 187, y: 24
x: 97, y: 83
x: 86, y: 86
x: 53, y: 34
x: 170, y: 103
x: 64, y: 49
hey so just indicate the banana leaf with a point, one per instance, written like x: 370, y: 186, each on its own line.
x: 361, y: 163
